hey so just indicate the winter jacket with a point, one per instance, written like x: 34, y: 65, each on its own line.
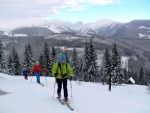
x: 37, y: 68
x: 25, y: 72
x: 63, y: 72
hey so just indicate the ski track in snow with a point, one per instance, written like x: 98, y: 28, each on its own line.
x: 25, y: 96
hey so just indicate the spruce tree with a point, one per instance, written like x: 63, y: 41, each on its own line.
x: 31, y: 59
x: 126, y: 77
x: 107, y: 68
x: 53, y: 54
x: 75, y: 64
x: 146, y: 78
x: 93, y: 67
x: 10, y: 65
x: 28, y: 58
x: 118, y: 76
x: 41, y: 60
x: 2, y: 59
x: 81, y: 74
x: 141, y: 77
x: 67, y: 60
x: 17, y: 69
x: 46, y: 59
x: 85, y: 63
x: 17, y: 66
x: 107, y: 65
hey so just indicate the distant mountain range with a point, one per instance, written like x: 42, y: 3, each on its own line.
x: 103, y: 28
x: 132, y: 39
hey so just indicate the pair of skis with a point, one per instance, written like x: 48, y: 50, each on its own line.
x: 63, y: 103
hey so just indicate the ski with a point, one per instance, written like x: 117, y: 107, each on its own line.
x: 69, y: 106
x: 41, y: 84
x: 61, y: 101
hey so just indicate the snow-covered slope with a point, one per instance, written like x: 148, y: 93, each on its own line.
x: 29, y: 97
x: 103, y: 27
x: 55, y: 27
x: 52, y: 26
x: 139, y: 29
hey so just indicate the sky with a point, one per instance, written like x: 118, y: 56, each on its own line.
x: 86, y: 11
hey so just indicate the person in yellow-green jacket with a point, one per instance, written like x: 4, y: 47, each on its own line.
x: 62, y: 71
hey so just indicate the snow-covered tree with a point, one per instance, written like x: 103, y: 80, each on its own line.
x: 17, y: 69
x: 118, y: 76
x: 107, y: 68
x: 92, y: 69
x: 16, y: 66
x: 41, y: 60
x: 31, y: 59
x: 28, y: 58
x: 126, y: 77
x: 141, y: 77
x: 46, y: 59
x: 53, y: 54
x: 2, y: 59
x: 81, y: 74
x: 85, y: 63
x: 146, y: 80
x: 67, y: 60
x: 75, y: 64
x: 10, y: 65
x: 107, y: 65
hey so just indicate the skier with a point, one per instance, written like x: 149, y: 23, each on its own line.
x: 25, y: 73
x: 62, y: 70
x: 36, y: 71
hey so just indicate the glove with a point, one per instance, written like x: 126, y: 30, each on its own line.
x: 56, y: 74
x: 70, y: 78
x: 32, y: 72
x: 64, y: 75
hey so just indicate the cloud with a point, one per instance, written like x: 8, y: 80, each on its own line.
x: 20, y: 9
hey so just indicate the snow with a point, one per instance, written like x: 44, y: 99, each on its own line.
x: 124, y: 62
x: 25, y: 96
x: 61, y: 37
x: 97, y: 25
x: 20, y: 35
x: 143, y: 35
x: 143, y: 27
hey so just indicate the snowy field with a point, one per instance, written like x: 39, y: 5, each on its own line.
x: 24, y: 96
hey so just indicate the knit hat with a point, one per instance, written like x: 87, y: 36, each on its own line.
x: 37, y: 62
x: 63, y: 57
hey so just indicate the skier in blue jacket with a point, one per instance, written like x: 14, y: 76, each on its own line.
x: 25, y: 73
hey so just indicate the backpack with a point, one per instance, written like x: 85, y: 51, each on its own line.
x: 59, y: 65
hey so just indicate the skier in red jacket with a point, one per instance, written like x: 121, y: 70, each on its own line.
x: 36, y: 70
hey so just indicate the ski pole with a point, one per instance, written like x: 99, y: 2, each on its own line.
x: 54, y: 88
x: 45, y: 80
x: 71, y: 87
x: 31, y: 78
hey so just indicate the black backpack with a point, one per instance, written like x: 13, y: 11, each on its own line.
x: 59, y: 65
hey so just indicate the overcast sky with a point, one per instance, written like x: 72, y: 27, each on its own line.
x: 73, y: 10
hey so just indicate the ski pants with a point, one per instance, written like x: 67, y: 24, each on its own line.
x: 26, y: 77
x: 59, y: 83
x: 37, y: 77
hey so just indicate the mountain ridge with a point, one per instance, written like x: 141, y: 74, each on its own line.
x: 103, y: 28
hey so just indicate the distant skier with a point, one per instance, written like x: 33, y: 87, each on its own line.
x: 103, y: 82
x: 36, y: 70
x: 25, y: 73
x: 62, y: 70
